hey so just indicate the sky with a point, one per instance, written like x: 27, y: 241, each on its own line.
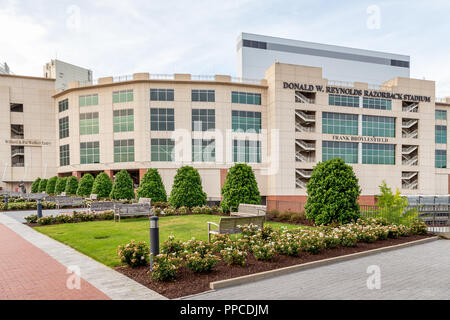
x: 118, y: 37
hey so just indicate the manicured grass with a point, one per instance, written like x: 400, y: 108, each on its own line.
x: 99, y: 239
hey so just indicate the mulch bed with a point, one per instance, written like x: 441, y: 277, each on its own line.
x: 189, y: 283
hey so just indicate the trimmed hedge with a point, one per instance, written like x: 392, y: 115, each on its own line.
x: 51, y: 184
x: 42, y: 185
x: 122, y: 187
x: 71, y: 185
x: 102, y: 185
x: 187, y: 189
x: 85, y: 185
x: 35, y: 185
x: 152, y: 187
x: 60, y: 185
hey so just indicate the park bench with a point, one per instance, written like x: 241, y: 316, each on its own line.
x: 145, y: 200
x: 132, y: 210
x: 230, y: 224
x: 68, y: 202
x: 245, y: 210
x: 96, y: 206
x: 92, y: 197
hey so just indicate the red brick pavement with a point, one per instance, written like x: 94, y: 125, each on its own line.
x: 28, y: 273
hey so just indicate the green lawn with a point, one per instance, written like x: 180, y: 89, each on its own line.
x: 99, y: 239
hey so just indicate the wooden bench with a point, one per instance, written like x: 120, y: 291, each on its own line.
x: 250, y: 210
x: 145, y: 200
x: 92, y: 197
x: 132, y: 210
x: 102, y: 205
x: 69, y: 202
x: 230, y: 224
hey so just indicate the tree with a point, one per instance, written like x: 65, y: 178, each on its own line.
x: 122, y: 187
x: 187, y: 189
x: 333, y: 193
x: 42, y: 185
x: 85, y: 185
x: 152, y: 187
x: 102, y: 185
x: 51, y: 184
x: 35, y: 185
x: 240, y: 187
x: 71, y: 185
x: 60, y: 185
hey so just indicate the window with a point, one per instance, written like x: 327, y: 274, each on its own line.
x: 246, y: 121
x: 203, y: 150
x: 203, y: 95
x: 254, y: 44
x: 339, y: 123
x: 347, y: 151
x: 163, y: 150
x: 441, y: 159
x: 122, y: 96
x: 16, y: 107
x: 441, y: 134
x: 343, y: 101
x: 64, y: 155
x: 246, y: 151
x: 203, y: 119
x: 375, y: 126
x: 88, y: 100
x: 378, y: 153
x: 245, y: 98
x: 123, y: 120
x: 124, y: 150
x: 64, y: 127
x: 441, y: 114
x: 161, y: 94
x: 17, y: 156
x: 88, y: 123
x: 377, y: 103
x: 89, y: 152
x: 162, y: 119
x: 63, y: 105
x: 17, y: 131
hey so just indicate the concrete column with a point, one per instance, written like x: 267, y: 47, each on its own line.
x: 110, y: 173
x: 142, y: 171
x: 77, y: 174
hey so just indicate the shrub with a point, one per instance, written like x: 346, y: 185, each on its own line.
x: 347, y: 237
x: 284, y: 216
x: 183, y: 210
x: 45, y: 205
x: 152, y: 187
x: 419, y: 227
x: 264, y: 252
x: 35, y: 185
x: 63, y: 218
x: 272, y: 214
x: 81, y: 216
x: 187, y: 189
x: 296, y: 217
x: 248, y: 230
x: 71, y: 185
x: 85, y: 185
x: 240, y: 187
x: 172, y: 246
x: 170, y: 211
x: 197, y: 210
x: 333, y: 193
x: 51, y: 184
x: 42, y: 185
x: 31, y: 219
x: 122, y: 187
x: 198, y: 263
x: 220, y: 242
x: 311, y: 242
x: 160, y: 204
x: 46, y: 220
x: 198, y: 246
x: 106, y: 215
x: 134, y: 254
x: 234, y: 256
x: 102, y: 185
x: 60, y: 185
x: 165, y: 267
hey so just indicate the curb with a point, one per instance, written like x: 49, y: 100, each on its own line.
x: 309, y: 265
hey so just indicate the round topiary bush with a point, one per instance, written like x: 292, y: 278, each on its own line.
x: 42, y: 185
x: 333, y: 193
x: 102, y: 185
x: 51, y: 184
x: 187, y: 189
x: 240, y: 187
x: 122, y: 187
x: 60, y: 185
x: 152, y: 187
x: 71, y: 185
x: 85, y: 185
x: 35, y: 185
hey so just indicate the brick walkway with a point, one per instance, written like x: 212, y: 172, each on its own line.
x: 26, y: 272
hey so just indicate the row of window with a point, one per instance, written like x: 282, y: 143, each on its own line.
x: 162, y: 150
x: 348, y: 151
x: 341, y: 123
x: 353, y: 101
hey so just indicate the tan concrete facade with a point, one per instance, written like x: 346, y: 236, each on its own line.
x: 277, y: 173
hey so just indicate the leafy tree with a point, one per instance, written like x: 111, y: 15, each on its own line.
x: 42, y: 185
x: 123, y: 186
x: 60, y: 185
x: 102, y: 185
x: 187, y: 189
x: 71, y: 185
x: 240, y: 187
x: 51, y: 184
x: 85, y: 185
x: 151, y: 186
x: 333, y: 193
x: 35, y: 185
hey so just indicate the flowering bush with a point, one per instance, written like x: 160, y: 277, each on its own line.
x: 31, y: 219
x: 418, y: 227
x: 170, y: 211
x: 172, y: 246
x: 288, y: 243
x: 197, y: 262
x: 46, y: 220
x: 248, y: 230
x: 220, y: 242
x: 264, y: 251
x: 234, y: 256
x: 134, y: 253
x: 183, y: 210
x: 267, y: 233
x: 346, y: 236
x: 311, y: 241
x: 63, y: 218
x: 198, y: 246
x: 165, y: 267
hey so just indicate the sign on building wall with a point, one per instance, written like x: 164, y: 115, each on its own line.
x: 27, y: 142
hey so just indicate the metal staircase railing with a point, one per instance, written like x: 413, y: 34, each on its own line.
x: 409, y: 124
x: 301, y: 98
x: 411, y: 108
x: 304, y: 116
x: 305, y: 145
